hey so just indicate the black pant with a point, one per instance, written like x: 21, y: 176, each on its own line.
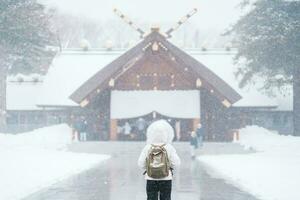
x: 164, y: 189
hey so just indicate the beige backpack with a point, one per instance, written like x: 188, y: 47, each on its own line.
x: 157, y: 162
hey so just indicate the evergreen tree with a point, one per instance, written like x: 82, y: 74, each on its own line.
x: 268, y: 43
x: 24, y: 35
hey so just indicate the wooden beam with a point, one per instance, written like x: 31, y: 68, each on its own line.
x: 226, y: 103
x: 84, y: 103
x: 180, y: 22
x: 129, y: 22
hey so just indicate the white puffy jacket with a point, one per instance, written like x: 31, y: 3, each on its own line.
x: 158, y: 133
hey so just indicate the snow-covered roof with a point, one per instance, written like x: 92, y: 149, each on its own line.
x: 71, y: 69
x: 142, y: 51
x: 175, y: 103
x: 221, y: 63
x: 22, y: 95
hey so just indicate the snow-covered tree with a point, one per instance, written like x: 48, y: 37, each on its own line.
x: 268, y: 43
x: 24, y: 35
x: 71, y: 30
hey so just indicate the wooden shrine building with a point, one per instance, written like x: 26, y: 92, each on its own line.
x: 153, y: 80
x: 119, y: 92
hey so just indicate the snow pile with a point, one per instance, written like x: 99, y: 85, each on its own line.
x: 265, y: 140
x: 53, y: 137
x: 35, y: 160
x: 270, y: 174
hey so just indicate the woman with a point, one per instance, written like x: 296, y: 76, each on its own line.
x: 159, y: 135
x: 194, y: 144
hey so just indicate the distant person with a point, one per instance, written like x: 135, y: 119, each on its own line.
x: 141, y: 126
x: 177, y: 130
x: 74, y: 131
x: 127, y: 130
x: 194, y: 144
x: 77, y: 128
x: 83, y: 130
x: 200, y: 134
x: 158, y: 159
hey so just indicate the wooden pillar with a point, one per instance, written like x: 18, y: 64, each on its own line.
x: 205, y: 113
x: 196, y: 121
x: 113, y: 129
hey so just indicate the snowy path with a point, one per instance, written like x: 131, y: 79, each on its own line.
x: 118, y: 179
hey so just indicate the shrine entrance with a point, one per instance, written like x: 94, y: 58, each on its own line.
x: 133, y: 111
x: 134, y: 129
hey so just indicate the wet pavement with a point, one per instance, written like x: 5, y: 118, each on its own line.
x: 120, y: 179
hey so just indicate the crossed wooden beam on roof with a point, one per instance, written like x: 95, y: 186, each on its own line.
x: 129, y: 22
x: 143, y: 33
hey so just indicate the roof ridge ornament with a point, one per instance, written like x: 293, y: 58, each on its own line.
x: 155, y: 28
x: 129, y: 22
x: 155, y: 46
x: 180, y: 22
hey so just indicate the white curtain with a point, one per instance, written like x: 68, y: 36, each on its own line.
x: 175, y: 103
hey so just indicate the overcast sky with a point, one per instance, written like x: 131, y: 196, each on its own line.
x: 212, y: 14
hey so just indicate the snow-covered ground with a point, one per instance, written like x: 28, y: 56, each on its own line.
x: 272, y: 173
x: 37, y: 159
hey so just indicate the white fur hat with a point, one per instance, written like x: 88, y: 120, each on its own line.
x: 160, y: 132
